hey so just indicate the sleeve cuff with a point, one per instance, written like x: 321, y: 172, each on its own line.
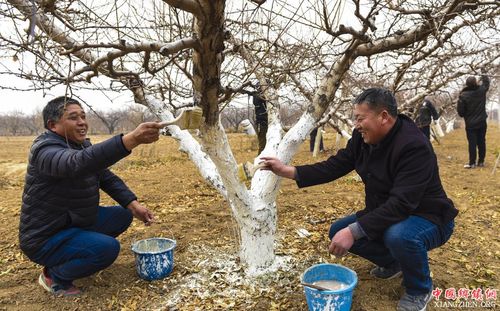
x: 356, y: 231
x: 123, y: 145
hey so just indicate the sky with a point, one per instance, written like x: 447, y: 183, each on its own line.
x: 31, y: 101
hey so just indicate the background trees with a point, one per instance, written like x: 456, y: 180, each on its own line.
x: 172, y: 54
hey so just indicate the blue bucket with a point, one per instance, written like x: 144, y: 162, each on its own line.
x: 329, y: 300
x: 154, y: 258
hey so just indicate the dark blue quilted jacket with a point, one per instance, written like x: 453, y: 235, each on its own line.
x: 62, y: 186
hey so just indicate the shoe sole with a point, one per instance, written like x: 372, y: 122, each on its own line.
x: 41, y: 282
x: 424, y: 308
x: 66, y: 294
x: 396, y: 275
x: 58, y: 293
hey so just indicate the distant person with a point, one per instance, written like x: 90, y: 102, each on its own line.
x: 62, y: 226
x: 426, y: 114
x: 407, y: 212
x: 260, y: 116
x: 312, y: 140
x: 472, y: 107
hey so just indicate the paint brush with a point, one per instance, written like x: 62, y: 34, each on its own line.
x: 188, y: 119
x: 247, y: 170
x: 318, y: 287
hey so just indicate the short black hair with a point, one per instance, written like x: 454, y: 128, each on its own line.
x: 471, y: 81
x: 377, y: 99
x: 54, y: 109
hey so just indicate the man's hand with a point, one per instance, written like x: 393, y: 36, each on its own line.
x: 145, y: 133
x: 141, y: 213
x: 341, y: 242
x: 277, y: 167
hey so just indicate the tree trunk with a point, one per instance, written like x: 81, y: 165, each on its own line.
x: 257, y: 232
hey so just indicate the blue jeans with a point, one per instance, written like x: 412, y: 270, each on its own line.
x: 406, y: 243
x: 79, y: 252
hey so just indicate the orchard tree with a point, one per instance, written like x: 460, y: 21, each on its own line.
x: 175, y: 53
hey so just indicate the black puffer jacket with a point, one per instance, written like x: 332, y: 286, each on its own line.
x: 472, y: 104
x: 62, y: 186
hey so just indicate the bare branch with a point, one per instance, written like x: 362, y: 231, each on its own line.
x: 190, y: 6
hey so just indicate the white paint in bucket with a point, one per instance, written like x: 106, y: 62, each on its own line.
x: 331, y: 284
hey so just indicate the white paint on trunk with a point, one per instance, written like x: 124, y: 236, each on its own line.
x: 254, y: 214
x: 295, y: 136
x: 437, y: 128
x: 450, y: 125
x: 257, y: 237
x: 256, y: 218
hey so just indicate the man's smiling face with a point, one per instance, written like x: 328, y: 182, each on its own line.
x: 72, y: 125
x: 370, y: 123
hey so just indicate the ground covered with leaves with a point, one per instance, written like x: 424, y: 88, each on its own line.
x: 207, y: 273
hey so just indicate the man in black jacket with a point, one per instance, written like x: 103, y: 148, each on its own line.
x: 426, y: 113
x: 260, y: 117
x: 472, y: 107
x: 406, y: 212
x: 62, y: 227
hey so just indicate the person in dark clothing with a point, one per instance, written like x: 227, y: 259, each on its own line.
x: 62, y: 227
x: 260, y: 117
x: 426, y: 113
x: 312, y: 140
x: 472, y: 107
x: 407, y: 212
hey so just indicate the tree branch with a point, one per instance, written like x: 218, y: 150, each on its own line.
x: 190, y: 6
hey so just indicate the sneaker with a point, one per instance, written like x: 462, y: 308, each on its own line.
x: 480, y: 164
x: 387, y: 273
x: 469, y: 165
x: 55, y: 288
x: 414, y: 303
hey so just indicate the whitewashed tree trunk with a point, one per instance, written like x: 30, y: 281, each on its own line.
x: 317, y: 141
x: 450, y: 124
x: 258, y: 231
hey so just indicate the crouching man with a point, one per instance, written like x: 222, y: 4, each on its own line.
x: 407, y: 212
x: 62, y: 227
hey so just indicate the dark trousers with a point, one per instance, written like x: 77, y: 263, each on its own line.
x: 406, y: 242
x: 261, y: 135
x: 312, y: 140
x: 75, y: 253
x: 477, y: 140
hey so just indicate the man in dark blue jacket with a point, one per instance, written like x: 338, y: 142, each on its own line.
x: 62, y: 227
x: 407, y: 212
x: 472, y: 107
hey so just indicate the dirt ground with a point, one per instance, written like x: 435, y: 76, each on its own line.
x: 207, y: 275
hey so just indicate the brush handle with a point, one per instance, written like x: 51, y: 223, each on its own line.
x: 254, y: 168
x: 315, y: 286
x: 165, y: 123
